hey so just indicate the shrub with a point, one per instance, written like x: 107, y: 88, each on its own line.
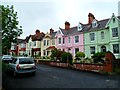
x: 79, y: 55
x: 56, y: 53
x: 67, y: 57
x: 97, y: 57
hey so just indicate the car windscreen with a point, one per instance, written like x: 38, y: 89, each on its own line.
x: 26, y: 61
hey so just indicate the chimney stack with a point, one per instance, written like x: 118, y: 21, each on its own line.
x: 51, y: 31
x: 90, y: 18
x: 67, y: 25
x: 37, y: 32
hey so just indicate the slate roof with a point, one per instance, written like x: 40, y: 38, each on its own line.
x: 86, y: 28
x: 37, y: 37
x: 53, y: 35
x: 70, y: 31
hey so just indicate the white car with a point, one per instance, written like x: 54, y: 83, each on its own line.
x: 22, y: 65
x: 7, y: 58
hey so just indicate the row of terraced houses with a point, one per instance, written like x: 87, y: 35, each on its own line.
x: 95, y: 36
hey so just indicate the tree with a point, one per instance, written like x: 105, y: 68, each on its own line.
x: 10, y: 29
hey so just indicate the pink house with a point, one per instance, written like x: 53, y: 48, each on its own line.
x: 70, y: 39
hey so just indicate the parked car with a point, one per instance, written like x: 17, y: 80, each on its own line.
x: 22, y: 65
x: 7, y: 58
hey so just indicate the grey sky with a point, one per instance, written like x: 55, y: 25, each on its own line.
x: 46, y: 14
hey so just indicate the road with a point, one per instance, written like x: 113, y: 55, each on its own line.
x: 54, y: 77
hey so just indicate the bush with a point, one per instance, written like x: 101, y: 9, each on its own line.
x: 79, y: 55
x: 66, y: 56
x: 56, y: 53
x: 97, y: 57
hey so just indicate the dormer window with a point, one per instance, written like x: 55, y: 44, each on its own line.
x: 94, y: 23
x: 79, y: 27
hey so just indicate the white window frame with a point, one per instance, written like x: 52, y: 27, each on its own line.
x: 91, y: 50
x: 75, y: 39
x: 117, y: 50
x: 92, y: 36
x: 59, y: 40
x: 115, y: 32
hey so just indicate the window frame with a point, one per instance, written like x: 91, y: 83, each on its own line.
x: 92, y: 49
x: 116, y: 51
x: 76, y: 37
x: 92, y: 36
x: 59, y: 40
x: 115, y: 32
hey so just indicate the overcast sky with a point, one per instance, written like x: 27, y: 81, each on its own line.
x: 46, y: 14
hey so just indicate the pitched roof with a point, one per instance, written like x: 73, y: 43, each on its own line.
x: 37, y: 37
x: 70, y: 31
x: 53, y: 35
x: 86, y: 27
x: 101, y: 25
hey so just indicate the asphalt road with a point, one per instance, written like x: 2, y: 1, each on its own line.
x: 54, y: 77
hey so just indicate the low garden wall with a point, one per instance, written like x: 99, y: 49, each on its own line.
x: 80, y: 66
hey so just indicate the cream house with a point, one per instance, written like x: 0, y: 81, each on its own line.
x: 33, y: 46
x: 48, y: 43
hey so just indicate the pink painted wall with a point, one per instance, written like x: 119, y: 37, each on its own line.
x: 72, y: 45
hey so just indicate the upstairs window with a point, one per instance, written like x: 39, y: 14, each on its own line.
x: 59, y: 40
x: 76, y: 39
x: 79, y: 27
x: 44, y: 42
x: 115, y: 32
x: 34, y: 43
x: 94, y: 23
x: 47, y: 42
x: 102, y: 35
x: 53, y: 41
x: 92, y: 36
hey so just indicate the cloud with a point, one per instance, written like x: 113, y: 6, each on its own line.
x: 46, y: 14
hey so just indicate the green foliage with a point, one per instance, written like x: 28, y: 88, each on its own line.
x: 97, y: 57
x: 56, y: 54
x: 10, y: 29
x: 79, y: 55
x: 67, y: 57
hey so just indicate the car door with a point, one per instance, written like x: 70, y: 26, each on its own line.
x: 13, y: 64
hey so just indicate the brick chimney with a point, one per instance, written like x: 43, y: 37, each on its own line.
x: 51, y: 31
x: 67, y: 25
x: 37, y: 32
x: 90, y: 18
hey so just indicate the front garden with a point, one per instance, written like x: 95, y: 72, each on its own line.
x: 96, y: 62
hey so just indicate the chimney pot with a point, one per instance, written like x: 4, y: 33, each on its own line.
x: 90, y: 18
x: 67, y: 25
